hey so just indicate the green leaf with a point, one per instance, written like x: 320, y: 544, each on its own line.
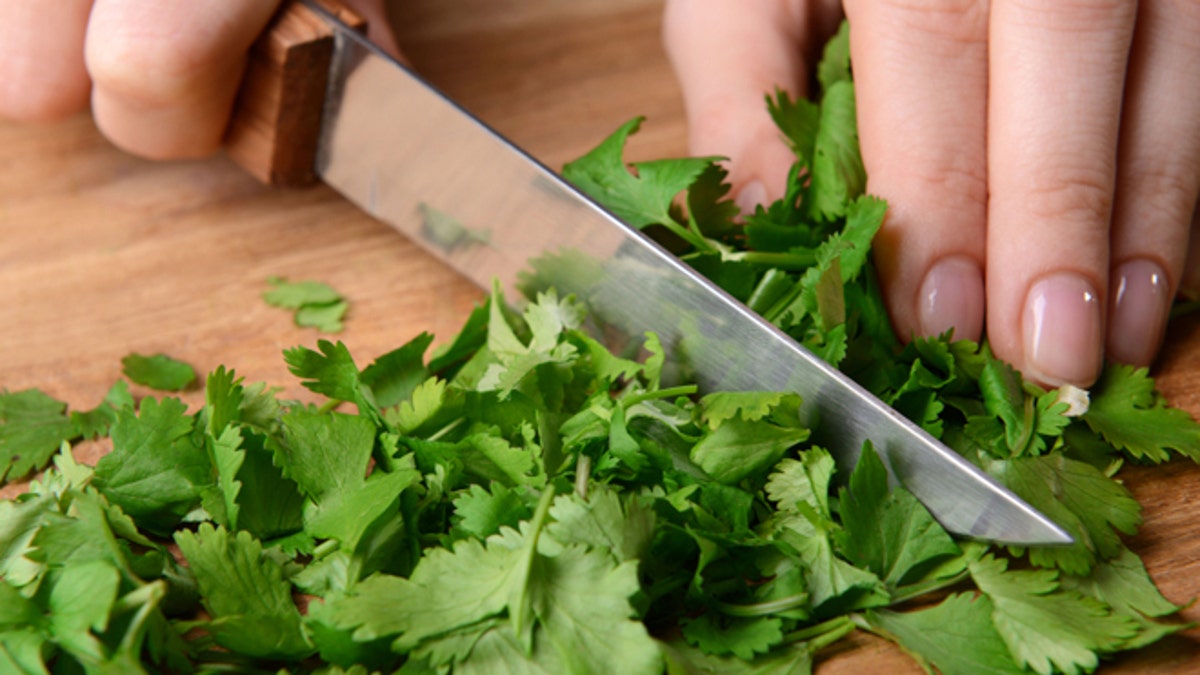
x: 394, y: 376
x: 332, y: 372
x: 1079, y: 498
x: 159, y: 372
x: 888, y: 532
x: 738, y: 449
x: 1129, y: 413
x: 245, y: 594
x: 157, y: 468
x: 1122, y: 583
x: 32, y: 428
x: 602, y: 522
x: 296, y: 294
x: 1048, y: 629
x: 798, y: 120
x: 325, y: 452
x: 803, y: 481
x: 480, y: 513
x: 97, y: 422
x: 744, y: 638
x: 581, y: 600
x: 642, y: 199
x: 835, y: 59
x: 80, y: 603
x: 325, y: 318
x: 837, y: 171
x: 749, y: 406
x: 956, y: 636
x: 227, y: 458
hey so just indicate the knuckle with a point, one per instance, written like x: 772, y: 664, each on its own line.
x: 953, y: 21
x: 152, y: 67
x: 1080, y: 196
x: 1086, y: 15
x: 1165, y: 191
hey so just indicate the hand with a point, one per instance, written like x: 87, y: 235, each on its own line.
x: 1040, y: 160
x: 161, y: 75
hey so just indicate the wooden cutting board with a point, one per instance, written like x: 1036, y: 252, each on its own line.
x: 102, y: 254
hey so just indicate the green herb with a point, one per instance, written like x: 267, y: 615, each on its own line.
x: 159, y: 372
x: 524, y: 500
x: 316, y: 304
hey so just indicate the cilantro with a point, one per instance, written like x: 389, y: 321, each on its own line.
x: 522, y: 499
x: 159, y: 372
x: 1126, y: 410
x: 315, y: 304
x: 32, y: 427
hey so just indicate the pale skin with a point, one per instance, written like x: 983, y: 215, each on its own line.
x: 1041, y: 160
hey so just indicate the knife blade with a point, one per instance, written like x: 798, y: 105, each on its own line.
x: 398, y: 148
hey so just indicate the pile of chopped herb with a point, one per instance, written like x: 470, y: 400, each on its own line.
x: 524, y: 500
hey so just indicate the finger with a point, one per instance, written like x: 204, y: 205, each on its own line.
x: 728, y: 57
x: 921, y: 79
x: 1158, y: 177
x: 42, y: 76
x: 165, y: 72
x: 1056, y: 72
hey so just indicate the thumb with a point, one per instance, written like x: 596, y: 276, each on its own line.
x: 728, y: 56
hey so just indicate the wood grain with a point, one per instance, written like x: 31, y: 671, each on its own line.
x: 102, y: 254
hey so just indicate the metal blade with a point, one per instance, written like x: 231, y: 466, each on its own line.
x: 414, y: 159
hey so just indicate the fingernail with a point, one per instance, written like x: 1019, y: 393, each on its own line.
x: 951, y: 297
x: 1063, y: 331
x: 751, y: 196
x: 1139, y: 312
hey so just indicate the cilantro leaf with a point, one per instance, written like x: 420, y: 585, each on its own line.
x: 245, y: 593
x: 956, y: 636
x: 480, y: 512
x: 1077, y: 496
x: 642, y: 199
x: 316, y: 304
x: 325, y: 452
x: 159, y: 372
x: 737, y: 448
x: 744, y: 638
x: 581, y: 599
x: 887, y: 532
x: 393, y: 376
x: 1129, y: 413
x: 32, y: 428
x: 157, y: 468
x: 1047, y: 629
x: 604, y: 522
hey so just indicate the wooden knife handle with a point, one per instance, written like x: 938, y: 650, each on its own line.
x: 276, y: 119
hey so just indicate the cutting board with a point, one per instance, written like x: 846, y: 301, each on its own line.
x: 102, y: 254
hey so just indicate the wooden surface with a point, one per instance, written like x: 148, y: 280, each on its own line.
x: 102, y: 254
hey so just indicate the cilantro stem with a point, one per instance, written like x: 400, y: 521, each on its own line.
x: 325, y: 548
x: 816, y: 633
x: 583, y: 473
x: 328, y: 406
x: 905, y: 593
x: 440, y: 433
x: 669, y: 392
x: 764, y: 608
x: 796, y: 260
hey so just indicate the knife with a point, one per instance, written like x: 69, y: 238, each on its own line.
x: 319, y: 101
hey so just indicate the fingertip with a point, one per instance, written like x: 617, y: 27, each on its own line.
x: 951, y: 298
x: 1141, y: 303
x: 1062, y: 327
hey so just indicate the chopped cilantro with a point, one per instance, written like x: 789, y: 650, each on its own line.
x: 524, y: 500
x: 315, y: 304
x: 159, y: 372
